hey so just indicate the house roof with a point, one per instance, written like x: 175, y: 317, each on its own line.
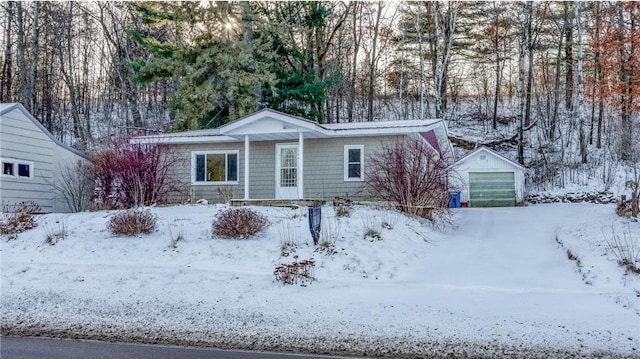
x: 268, y: 124
x: 490, y: 151
x: 8, y: 107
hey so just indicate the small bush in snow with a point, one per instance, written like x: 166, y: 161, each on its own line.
x: 18, y: 218
x: 296, y: 272
x: 288, y: 236
x: 179, y: 237
x: 626, y: 248
x: 239, y: 223
x: 131, y: 222
x: 373, y: 235
x: 55, y: 231
x: 342, y: 207
x: 329, y: 234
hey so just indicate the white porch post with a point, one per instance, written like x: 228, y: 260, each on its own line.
x: 246, y: 167
x: 300, y: 165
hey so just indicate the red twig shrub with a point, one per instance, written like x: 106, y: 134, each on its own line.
x: 132, y: 222
x: 410, y: 175
x: 128, y: 175
x: 240, y: 223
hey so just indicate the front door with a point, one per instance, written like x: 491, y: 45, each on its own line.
x: 287, y: 171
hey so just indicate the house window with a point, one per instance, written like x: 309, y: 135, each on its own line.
x: 16, y: 168
x: 215, y: 167
x: 7, y: 168
x: 24, y: 170
x: 353, y: 162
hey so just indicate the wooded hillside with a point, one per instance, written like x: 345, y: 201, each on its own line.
x: 559, y: 79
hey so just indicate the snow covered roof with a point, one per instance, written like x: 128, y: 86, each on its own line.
x: 267, y: 124
x: 490, y: 151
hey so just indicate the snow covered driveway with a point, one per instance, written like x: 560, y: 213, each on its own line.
x: 499, y: 284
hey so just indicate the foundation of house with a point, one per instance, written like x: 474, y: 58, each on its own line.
x: 293, y: 203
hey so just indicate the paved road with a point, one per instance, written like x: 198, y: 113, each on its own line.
x: 31, y: 348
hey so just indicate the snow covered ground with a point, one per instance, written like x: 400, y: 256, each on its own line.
x: 497, y: 284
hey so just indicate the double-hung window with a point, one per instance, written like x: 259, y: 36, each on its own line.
x: 217, y: 167
x: 16, y: 168
x: 353, y: 162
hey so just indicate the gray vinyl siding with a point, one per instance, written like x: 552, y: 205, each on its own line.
x: 182, y: 173
x: 21, y: 139
x: 323, y: 169
x: 262, y: 169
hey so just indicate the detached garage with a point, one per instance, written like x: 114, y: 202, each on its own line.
x: 487, y: 179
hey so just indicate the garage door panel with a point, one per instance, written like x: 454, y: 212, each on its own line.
x: 492, y: 189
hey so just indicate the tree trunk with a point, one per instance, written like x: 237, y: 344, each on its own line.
x: 33, y: 71
x: 524, y: 39
x: 357, y: 35
x: 7, y: 65
x: 22, y: 63
x: 441, y: 50
x: 581, y: 114
x: 568, y: 51
x: 530, y: 45
x: 626, y: 99
x: 373, y: 62
x: 599, y: 78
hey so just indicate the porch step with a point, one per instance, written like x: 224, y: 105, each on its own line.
x: 278, y: 202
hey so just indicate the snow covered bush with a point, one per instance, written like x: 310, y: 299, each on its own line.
x: 18, y: 218
x: 411, y: 176
x: 131, y: 222
x: 239, y: 223
x: 128, y: 175
x: 296, y: 272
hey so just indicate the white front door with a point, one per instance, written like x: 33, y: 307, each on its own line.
x: 287, y: 171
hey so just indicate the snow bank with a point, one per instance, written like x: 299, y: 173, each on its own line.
x: 498, y: 284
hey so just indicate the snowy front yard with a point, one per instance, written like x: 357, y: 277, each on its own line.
x: 498, y: 284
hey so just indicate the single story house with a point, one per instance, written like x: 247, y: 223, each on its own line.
x: 271, y: 155
x: 32, y: 160
x: 488, y: 179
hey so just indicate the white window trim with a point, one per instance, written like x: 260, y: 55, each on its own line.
x: 16, y: 163
x: 217, y: 183
x: 346, y: 163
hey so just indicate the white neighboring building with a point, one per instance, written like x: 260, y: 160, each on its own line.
x: 31, y: 160
x: 488, y: 179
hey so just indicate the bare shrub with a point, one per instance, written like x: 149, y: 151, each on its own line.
x: 288, y: 239
x: 55, y: 231
x: 370, y: 229
x: 328, y: 236
x: 343, y: 207
x: 411, y: 176
x: 74, y: 184
x: 226, y: 194
x: 131, y: 222
x: 626, y: 248
x: 240, y: 223
x: 19, y: 218
x: 129, y: 175
x: 179, y: 237
x: 296, y: 272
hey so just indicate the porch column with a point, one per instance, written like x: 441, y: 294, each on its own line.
x: 300, y: 165
x: 246, y: 167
